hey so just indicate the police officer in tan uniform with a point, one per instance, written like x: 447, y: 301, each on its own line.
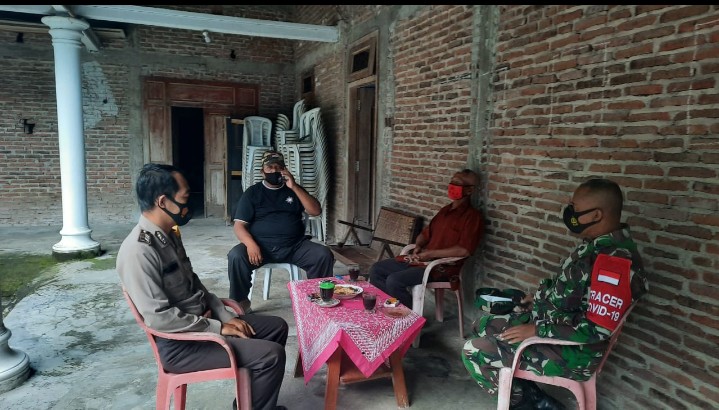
x: 157, y: 274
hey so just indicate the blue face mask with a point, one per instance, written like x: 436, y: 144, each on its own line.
x: 178, y: 218
x: 571, y: 219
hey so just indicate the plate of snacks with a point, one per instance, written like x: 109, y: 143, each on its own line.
x: 391, y: 302
x: 345, y: 291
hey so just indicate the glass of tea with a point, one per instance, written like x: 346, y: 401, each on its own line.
x: 327, y: 290
x: 354, y: 271
x: 369, y: 300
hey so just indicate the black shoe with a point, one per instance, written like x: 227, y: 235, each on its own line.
x: 539, y: 398
x: 234, y: 406
x: 548, y: 403
x: 526, y: 395
x: 521, y: 397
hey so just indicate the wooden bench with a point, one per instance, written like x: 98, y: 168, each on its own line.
x: 394, y: 228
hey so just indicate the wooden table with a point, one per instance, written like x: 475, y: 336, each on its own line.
x: 355, y: 345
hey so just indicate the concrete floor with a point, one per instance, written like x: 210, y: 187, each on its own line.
x: 87, y: 352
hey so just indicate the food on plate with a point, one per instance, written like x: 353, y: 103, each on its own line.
x: 345, y: 290
x: 391, y: 302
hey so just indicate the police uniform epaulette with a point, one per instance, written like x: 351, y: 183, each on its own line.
x: 145, y: 237
x: 160, y: 237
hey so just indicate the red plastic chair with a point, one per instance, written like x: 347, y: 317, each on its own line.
x: 169, y: 383
x: 584, y: 391
x: 418, y: 292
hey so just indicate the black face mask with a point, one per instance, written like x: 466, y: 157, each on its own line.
x: 571, y: 219
x: 178, y: 218
x: 274, y: 178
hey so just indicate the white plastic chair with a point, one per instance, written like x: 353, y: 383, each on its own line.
x: 256, y: 140
x: 418, y: 292
x: 584, y: 391
x: 294, y: 271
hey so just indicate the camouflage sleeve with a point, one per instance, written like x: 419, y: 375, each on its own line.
x: 561, y: 311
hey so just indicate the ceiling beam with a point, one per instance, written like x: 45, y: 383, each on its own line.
x: 89, y: 39
x: 152, y: 16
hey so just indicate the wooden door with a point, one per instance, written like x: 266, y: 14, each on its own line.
x: 234, y: 164
x: 158, y: 144
x: 361, y: 154
x: 215, y: 163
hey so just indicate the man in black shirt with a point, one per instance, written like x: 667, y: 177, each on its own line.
x: 270, y: 226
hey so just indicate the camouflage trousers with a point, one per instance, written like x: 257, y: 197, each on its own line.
x: 483, y: 354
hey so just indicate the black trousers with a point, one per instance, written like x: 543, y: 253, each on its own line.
x: 263, y: 355
x: 316, y: 259
x: 395, y: 277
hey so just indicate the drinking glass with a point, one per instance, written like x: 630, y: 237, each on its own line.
x: 327, y: 290
x: 354, y: 272
x: 369, y: 300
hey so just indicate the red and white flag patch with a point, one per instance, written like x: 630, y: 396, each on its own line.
x: 609, y: 277
x: 610, y: 293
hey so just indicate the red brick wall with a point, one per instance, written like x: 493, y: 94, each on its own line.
x: 629, y: 93
x: 431, y: 65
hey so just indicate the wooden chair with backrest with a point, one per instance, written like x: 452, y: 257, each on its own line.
x: 392, y: 228
x: 584, y: 391
x: 418, y: 292
x: 169, y: 384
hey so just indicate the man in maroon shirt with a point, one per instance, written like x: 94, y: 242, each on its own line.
x: 454, y: 231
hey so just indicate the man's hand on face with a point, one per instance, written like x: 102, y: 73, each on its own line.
x: 289, y: 179
x: 237, y: 327
x: 254, y: 254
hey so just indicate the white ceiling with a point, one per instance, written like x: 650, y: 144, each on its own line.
x: 154, y: 16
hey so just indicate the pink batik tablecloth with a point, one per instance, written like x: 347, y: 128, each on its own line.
x: 369, y: 339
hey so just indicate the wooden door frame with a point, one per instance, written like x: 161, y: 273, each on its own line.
x: 351, y: 148
x: 356, y: 80
x: 162, y: 93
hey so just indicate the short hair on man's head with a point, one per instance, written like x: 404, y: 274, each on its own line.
x: 155, y: 180
x: 470, y: 176
x: 607, y: 193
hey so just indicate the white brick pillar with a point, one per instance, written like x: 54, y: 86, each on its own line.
x: 66, y: 33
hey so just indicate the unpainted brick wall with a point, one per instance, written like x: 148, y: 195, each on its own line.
x: 432, y: 59
x: 628, y: 93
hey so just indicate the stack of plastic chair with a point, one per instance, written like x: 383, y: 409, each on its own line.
x: 256, y: 140
x: 314, y: 165
x: 284, y: 134
x: 304, y: 148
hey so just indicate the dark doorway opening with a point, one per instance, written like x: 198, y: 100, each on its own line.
x: 188, y: 143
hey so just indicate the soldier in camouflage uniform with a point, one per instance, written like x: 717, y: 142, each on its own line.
x: 559, y: 307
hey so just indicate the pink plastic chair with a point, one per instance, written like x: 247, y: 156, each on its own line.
x: 418, y: 292
x: 585, y: 392
x: 169, y: 383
